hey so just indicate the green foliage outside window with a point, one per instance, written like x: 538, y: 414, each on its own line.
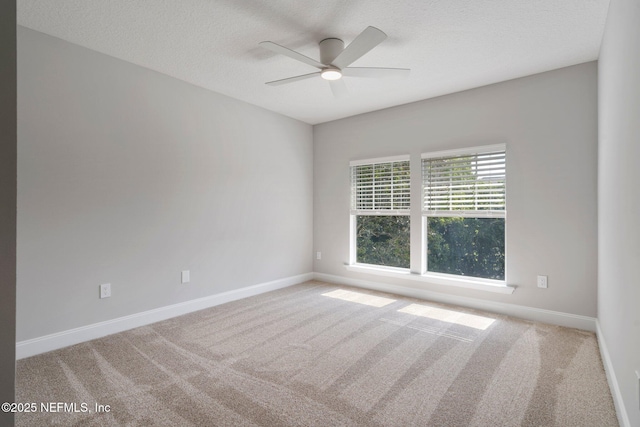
x: 383, y: 240
x: 466, y: 246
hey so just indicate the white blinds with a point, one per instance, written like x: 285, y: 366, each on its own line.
x: 380, y: 187
x: 465, y: 184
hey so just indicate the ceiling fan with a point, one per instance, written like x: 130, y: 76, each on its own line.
x: 335, y: 60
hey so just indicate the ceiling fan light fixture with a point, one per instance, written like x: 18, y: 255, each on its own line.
x: 331, y: 74
x: 334, y: 58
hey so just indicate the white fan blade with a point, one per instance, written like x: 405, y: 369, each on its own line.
x: 338, y: 88
x: 291, y: 54
x: 375, y: 72
x: 292, y: 79
x: 367, y: 40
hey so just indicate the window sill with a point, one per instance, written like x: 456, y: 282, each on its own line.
x: 435, y: 278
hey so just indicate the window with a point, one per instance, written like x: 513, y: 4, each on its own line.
x: 464, y: 212
x: 380, y: 202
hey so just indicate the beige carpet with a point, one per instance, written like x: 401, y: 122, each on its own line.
x: 325, y: 355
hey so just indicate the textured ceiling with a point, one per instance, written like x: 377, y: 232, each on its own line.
x: 450, y: 45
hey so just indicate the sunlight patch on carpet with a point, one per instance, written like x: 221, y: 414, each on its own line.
x: 359, y: 298
x: 451, y: 316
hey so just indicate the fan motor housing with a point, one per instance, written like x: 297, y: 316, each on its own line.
x: 329, y: 49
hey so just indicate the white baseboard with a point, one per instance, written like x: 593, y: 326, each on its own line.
x: 62, y: 339
x: 623, y: 418
x: 97, y: 330
x: 529, y: 313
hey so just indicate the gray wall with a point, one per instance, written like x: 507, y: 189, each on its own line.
x: 7, y: 205
x: 619, y: 198
x: 549, y: 123
x: 127, y: 176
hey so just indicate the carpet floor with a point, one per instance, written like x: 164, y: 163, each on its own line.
x: 317, y: 354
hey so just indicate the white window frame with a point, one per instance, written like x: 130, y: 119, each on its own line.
x: 444, y: 277
x: 354, y: 213
x: 418, y: 271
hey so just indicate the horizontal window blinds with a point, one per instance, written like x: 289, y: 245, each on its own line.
x: 380, y: 188
x: 469, y: 185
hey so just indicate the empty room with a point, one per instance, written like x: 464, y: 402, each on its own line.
x: 252, y: 213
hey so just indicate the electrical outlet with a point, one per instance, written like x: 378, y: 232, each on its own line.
x: 185, y: 276
x: 105, y: 290
x: 542, y: 282
x: 318, y: 255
